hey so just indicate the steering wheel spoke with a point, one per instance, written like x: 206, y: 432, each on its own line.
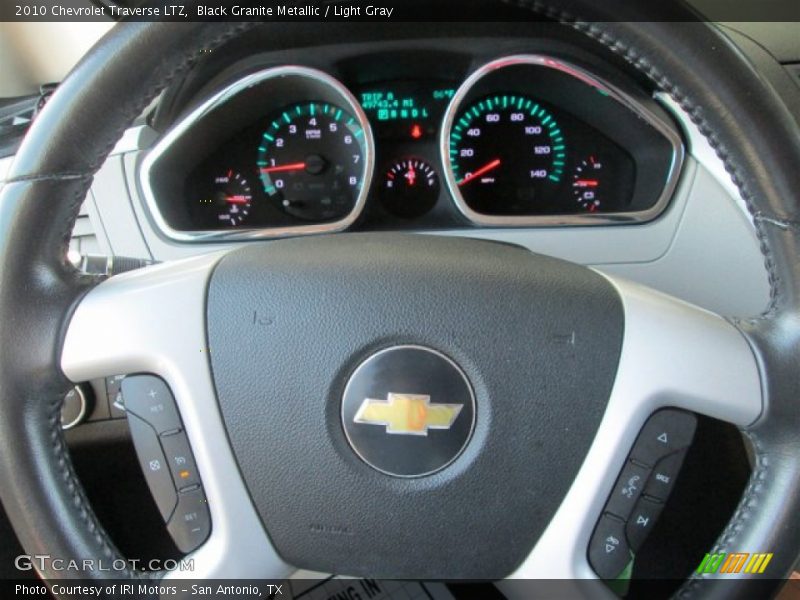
x: 153, y: 321
x: 674, y: 355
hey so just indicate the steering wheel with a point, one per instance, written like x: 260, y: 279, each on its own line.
x: 258, y: 344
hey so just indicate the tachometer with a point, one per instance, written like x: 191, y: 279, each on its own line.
x: 507, y: 153
x: 311, y: 160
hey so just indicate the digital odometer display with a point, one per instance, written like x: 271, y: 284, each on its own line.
x: 393, y: 105
x: 396, y: 109
x: 509, y: 147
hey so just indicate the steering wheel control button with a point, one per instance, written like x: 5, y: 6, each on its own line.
x: 642, y: 520
x: 154, y: 465
x: 664, y: 474
x: 627, y: 490
x: 180, y: 459
x: 408, y: 411
x: 190, y: 523
x: 665, y: 432
x: 149, y: 398
x: 166, y: 459
x: 640, y: 492
x: 609, y: 552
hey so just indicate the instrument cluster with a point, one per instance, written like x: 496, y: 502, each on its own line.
x: 523, y: 140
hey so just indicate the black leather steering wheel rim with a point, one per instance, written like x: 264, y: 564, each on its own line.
x: 691, y: 61
x: 52, y: 172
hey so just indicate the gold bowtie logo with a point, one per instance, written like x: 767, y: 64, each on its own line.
x: 407, y: 414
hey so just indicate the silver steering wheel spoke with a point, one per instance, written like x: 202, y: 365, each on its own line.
x: 673, y: 355
x: 153, y: 321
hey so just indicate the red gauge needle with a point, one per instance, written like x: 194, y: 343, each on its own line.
x: 237, y: 199
x: 411, y: 176
x: 587, y: 182
x: 482, y: 171
x: 298, y: 166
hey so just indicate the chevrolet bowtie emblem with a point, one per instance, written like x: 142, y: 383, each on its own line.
x: 407, y: 414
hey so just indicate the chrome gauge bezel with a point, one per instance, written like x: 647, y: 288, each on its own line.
x: 550, y: 62
x: 327, y: 84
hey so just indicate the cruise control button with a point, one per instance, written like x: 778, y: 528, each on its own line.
x: 664, y: 474
x: 149, y: 398
x: 664, y: 433
x: 609, y: 553
x: 627, y: 489
x: 642, y: 520
x: 180, y: 459
x: 154, y: 465
x: 190, y: 523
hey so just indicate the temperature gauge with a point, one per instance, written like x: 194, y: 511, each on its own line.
x: 229, y: 198
x: 410, y: 188
x: 587, y: 184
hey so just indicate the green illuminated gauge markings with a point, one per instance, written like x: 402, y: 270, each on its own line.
x: 311, y: 160
x: 507, y: 152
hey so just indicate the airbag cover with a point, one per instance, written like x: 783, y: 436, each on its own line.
x: 538, y: 339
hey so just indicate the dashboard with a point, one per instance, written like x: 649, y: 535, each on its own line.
x: 466, y: 137
x: 125, y: 213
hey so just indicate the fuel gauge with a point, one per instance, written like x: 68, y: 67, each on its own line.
x: 410, y: 188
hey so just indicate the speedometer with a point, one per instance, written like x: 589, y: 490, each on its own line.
x: 532, y: 140
x: 507, y: 154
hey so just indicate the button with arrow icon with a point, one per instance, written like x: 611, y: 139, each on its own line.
x: 642, y: 521
x: 609, y: 552
x: 667, y: 431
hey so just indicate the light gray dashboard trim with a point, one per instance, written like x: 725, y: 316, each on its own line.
x: 217, y: 100
x: 5, y: 166
x: 701, y: 150
x: 550, y: 62
x: 135, y: 138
